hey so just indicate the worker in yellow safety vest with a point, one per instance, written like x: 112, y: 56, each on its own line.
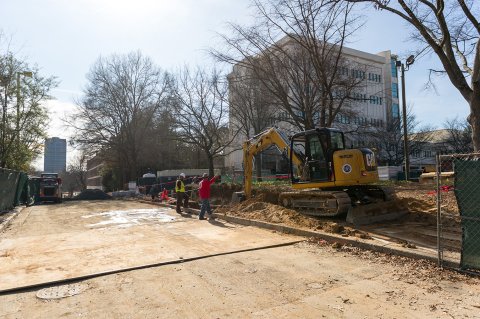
x: 182, y: 196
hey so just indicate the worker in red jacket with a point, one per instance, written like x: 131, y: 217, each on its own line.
x: 204, y: 193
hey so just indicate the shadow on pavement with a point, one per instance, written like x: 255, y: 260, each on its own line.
x: 217, y: 223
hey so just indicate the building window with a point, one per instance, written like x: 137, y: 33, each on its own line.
x: 344, y: 119
x: 427, y: 154
x: 395, y: 90
x: 394, y: 68
x: 299, y: 114
x: 395, y: 110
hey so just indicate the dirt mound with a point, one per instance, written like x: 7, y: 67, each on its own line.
x: 270, y: 193
x: 224, y: 190
x: 92, y: 194
x: 425, y: 200
x: 257, y: 208
x: 222, y: 193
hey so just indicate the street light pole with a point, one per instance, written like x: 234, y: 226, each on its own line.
x: 405, y: 133
x: 406, y: 152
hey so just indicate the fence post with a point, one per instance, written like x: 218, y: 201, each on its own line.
x: 439, y: 215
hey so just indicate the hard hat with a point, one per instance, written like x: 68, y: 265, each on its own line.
x: 182, y: 175
x: 205, y: 175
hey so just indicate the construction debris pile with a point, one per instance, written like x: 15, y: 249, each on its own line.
x: 92, y: 194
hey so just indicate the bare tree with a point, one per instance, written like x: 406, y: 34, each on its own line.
x: 459, y: 136
x: 123, y: 96
x: 251, y: 111
x: 75, y: 178
x: 201, y: 112
x: 295, y: 50
x: 451, y: 30
x: 164, y: 147
x: 78, y: 168
x: 388, y: 140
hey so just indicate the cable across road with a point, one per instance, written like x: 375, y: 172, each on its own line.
x: 47, y: 284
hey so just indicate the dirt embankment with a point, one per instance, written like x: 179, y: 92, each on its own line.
x: 422, y: 203
x: 420, y: 199
x: 262, y: 206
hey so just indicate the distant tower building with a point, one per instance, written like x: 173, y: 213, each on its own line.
x: 55, y: 155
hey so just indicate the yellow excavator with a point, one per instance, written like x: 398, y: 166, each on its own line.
x: 327, y: 178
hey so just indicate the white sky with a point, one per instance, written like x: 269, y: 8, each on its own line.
x: 65, y: 37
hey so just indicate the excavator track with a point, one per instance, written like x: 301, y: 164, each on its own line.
x: 362, y: 204
x: 317, y: 202
x: 381, y: 206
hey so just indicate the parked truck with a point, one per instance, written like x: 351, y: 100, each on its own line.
x: 50, y: 188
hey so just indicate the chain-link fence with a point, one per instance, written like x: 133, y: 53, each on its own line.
x: 458, y: 211
x: 15, y: 188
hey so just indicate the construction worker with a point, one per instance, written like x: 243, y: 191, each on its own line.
x: 182, y: 196
x: 204, y: 193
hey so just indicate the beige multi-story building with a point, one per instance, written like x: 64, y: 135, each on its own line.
x: 94, y: 173
x: 374, y: 104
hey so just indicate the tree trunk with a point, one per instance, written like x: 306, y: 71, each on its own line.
x: 474, y: 120
x: 258, y: 166
x: 211, y: 172
x: 3, y: 155
x: 474, y: 117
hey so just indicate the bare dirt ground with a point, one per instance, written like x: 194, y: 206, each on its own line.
x: 418, y: 227
x: 311, y: 279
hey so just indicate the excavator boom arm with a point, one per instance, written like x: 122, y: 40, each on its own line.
x: 259, y: 143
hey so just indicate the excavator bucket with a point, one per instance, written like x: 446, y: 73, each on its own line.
x: 376, y: 212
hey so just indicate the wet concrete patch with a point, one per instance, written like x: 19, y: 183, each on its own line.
x: 131, y: 217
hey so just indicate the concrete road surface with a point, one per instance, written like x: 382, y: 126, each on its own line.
x: 304, y: 280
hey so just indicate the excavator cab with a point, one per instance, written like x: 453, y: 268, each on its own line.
x: 316, y: 148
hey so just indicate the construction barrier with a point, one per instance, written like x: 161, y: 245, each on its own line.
x: 458, y: 211
x: 15, y: 189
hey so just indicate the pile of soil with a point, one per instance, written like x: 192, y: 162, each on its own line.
x: 92, y: 194
x: 222, y: 193
x: 421, y: 201
x: 419, y: 198
x: 258, y: 208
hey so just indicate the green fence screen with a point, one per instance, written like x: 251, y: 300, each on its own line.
x: 15, y: 189
x: 467, y: 192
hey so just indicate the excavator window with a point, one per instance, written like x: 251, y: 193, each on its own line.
x: 317, y: 163
x: 337, y: 141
